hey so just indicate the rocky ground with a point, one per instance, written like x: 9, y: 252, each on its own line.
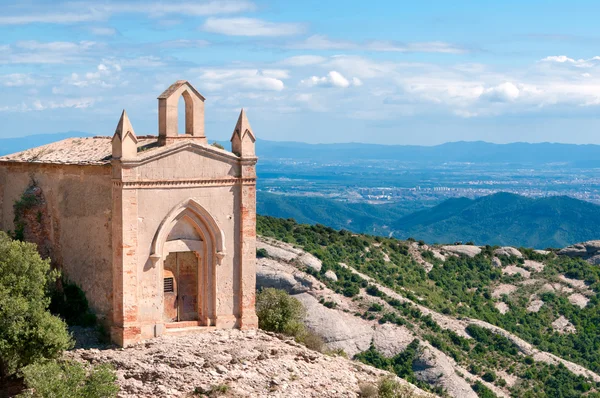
x: 233, y: 363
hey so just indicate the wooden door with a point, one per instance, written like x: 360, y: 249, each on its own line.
x: 170, y: 288
x: 187, y: 263
x: 180, y: 287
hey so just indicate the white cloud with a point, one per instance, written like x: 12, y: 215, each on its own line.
x: 36, y: 52
x: 321, y: 42
x: 563, y: 59
x: 103, y: 31
x: 303, y: 60
x: 250, y: 27
x: 17, y: 80
x: 245, y: 79
x: 332, y: 79
x: 42, y: 105
x: 276, y: 73
x: 502, y: 93
x: 88, y: 11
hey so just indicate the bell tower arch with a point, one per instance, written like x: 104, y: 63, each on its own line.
x: 168, y: 101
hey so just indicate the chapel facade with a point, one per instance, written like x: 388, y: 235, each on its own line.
x: 159, y: 231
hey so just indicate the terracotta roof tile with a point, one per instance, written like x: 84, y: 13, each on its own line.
x: 91, y: 150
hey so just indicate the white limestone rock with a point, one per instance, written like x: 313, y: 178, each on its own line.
x: 466, y: 250
x: 331, y: 275
x: 514, y: 270
x: 502, y: 307
x: 310, y: 261
x: 563, y: 326
x: 508, y: 251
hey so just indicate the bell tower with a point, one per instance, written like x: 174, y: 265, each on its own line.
x: 168, y: 102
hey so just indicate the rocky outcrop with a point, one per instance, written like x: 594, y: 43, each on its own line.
x: 249, y: 363
x: 271, y: 273
x: 466, y: 250
x: 508, y: 251
x: 589, y: 251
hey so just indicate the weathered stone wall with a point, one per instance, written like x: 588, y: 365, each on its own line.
x: 156, y: 189
x: 75, y: 221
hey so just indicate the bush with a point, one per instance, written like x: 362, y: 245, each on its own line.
x: 482, y: 391
x: 28, y: 332
x: 367, y: 390
x: 69, y: 379
x: 278, y: 312
x: 490, y: 376
x: 70, y: 304
x: 262, y: 253
x: 311, y: 340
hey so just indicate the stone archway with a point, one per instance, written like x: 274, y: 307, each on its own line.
x: 189, y: 234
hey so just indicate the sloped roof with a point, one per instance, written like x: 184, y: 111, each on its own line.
x: 173, y: 87
x: 84, y: 151
x: 98, y: 151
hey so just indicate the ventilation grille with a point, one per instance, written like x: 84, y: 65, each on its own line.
x: 169, y: 285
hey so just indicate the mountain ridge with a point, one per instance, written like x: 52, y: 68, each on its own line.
x: 584, y: 155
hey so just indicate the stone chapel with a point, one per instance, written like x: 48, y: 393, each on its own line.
x: 159, y: 231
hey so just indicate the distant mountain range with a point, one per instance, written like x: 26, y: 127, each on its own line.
x: 499, y: 219
x: 474, y: 152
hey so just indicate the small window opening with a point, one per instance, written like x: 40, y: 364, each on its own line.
x: 169, y: 288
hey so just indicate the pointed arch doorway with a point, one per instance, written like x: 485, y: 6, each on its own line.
x: 187, y: 248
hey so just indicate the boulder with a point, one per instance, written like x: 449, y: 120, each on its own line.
x: 508, y: 251
x: 310, y: 261
x: 589, y: 251
x: 496, y: 262
x: 331, y: 275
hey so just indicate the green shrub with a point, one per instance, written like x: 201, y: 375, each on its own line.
x: 311, y: 340
x: 490, y: 377
x: 70, y: 303
x: 482, y: 391
x: 278, y: 312
x: 262, y: 253
x: 367, y: 390
x: 69, y: 379
x: 28, y: 332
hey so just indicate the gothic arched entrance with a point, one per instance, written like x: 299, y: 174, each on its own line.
x: 187, y: 248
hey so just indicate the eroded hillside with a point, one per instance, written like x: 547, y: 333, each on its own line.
x: 475, y: 320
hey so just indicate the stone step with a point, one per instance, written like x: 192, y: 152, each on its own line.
x: 189, y: 330
x: 182, y: 324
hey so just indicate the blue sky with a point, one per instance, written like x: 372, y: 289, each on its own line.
x: 398, y: 72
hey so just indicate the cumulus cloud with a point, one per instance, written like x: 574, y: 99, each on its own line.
x: 105, y: 76
x: 563, y: 59
x: 250, y: 27
x: 332, y: 79
x: 505, y: 92
x: 249, y: 79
